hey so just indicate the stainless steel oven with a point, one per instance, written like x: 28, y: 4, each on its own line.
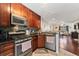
x: 21, y: 49
x: 23, y: 46
x: 18, y: 49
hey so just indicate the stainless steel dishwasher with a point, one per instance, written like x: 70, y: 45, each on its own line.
x: 52, y: 42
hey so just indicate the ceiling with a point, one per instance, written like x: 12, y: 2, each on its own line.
x: 50, y: 12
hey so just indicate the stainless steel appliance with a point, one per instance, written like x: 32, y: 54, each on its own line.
x: 22, y: 42
x: 18, y: 34
x: 51, y: 42
x: 22, y: 45
x: 17, y: 20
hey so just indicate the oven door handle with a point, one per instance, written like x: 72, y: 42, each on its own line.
x: 18, y: 44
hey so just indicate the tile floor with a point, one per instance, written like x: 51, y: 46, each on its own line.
x: 46, y: 52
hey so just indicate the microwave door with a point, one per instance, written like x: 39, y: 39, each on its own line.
x: 18, y: 20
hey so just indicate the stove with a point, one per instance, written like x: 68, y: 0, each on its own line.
x: 22, y: 44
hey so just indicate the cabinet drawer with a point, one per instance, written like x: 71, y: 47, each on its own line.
x: 7, y: 52
x: 10, y: 54
x: 7, y: 48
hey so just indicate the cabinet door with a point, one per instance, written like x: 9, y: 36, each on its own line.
x: 41, y: 41
x: 19, y: 10
x: 30, y: 21
x: 33, y: 46
x: 25, y: 12
x: 34, y: 43
x: 4, y: 14
x: 36, y: 20
x: 7, y: 49
x: 16, y: 8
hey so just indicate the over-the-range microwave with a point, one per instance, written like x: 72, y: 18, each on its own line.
x: 18, y: 20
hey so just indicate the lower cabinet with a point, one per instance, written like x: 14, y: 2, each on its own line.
x: 38, y: 42
x: 7, y: 49
x: 41, y: 41
x: 34, y: 43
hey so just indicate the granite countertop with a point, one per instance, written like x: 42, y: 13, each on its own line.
x: 44, y: 33
x: 47, y: 33
x: 34, y: 34
x: 6, y: 41
x: 40, y: 33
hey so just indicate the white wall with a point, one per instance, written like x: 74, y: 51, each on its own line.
x: 47, y: 26
x: 44, y: 26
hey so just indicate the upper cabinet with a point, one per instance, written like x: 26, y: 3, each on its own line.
x: 30, y: 21
x: 24, y: 11
x: 4, y: 14
x: 32, y: 18
x: 36, y: 20
x: 18, y: 9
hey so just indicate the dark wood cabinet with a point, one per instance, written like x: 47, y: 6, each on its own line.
x: 34, y: 43
x: 25, y: 12
x: 16, y: 8
x: 6, y: 9
x: 41, y: 41
x: 38, y: 42
x: 31, y: 17
x: 4, y: 14
x: 30, y: 21
x: 36, y: 20
x: 7, y: 49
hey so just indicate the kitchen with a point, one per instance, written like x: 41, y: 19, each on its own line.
x: 24, y: 32
x: 20, y: 32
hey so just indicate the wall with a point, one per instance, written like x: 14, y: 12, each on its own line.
x: 45, y: 26
x: 49, y: 26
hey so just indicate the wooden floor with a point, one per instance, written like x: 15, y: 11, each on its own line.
x: 69, y: 44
